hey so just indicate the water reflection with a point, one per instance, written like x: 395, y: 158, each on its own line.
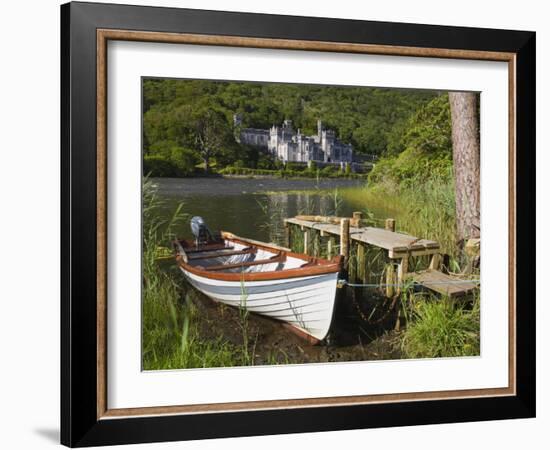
x: 253, y: 208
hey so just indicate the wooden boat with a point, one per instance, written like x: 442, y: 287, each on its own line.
x: 265, y: 279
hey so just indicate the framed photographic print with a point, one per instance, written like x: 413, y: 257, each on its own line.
x: 277, y: 224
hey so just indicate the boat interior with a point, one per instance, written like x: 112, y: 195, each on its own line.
x: 235, y: 257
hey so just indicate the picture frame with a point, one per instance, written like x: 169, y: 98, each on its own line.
x: 86, y: 418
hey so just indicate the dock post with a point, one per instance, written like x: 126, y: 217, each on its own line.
x: 306, y: 241
x: 435, y: 262
x: 344, y: 239
x: 390, y: 280
x: 402, y: 271
x: 361, y: 264
x: 330, y: 247
x: 390, y: 225
x: 357, y: 218
x: 316, y: 241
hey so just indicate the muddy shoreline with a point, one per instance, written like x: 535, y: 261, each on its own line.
x: 270, y: 342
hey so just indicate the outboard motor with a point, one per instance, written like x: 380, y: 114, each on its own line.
x: 200, y: 231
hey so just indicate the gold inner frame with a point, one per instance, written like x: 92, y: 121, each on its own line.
x: 104, y: 35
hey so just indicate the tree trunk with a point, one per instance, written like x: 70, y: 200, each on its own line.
x: 465, y: 132
x: 206, y: 160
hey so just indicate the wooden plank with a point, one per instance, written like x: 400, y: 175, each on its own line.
x: 391, y: 241
x: 423, y: 252
x: 442, y: 283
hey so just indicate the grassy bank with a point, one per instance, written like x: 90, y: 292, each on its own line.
x: 327, y: 172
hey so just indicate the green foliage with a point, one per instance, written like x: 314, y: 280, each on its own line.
x: 265, y: 162
x: 423, y: 150
x: 441, y: 328
x: 184, y: 159
x: 329, y: 171
x: 198, y: 115
x: 296, y: 167
x: 158, y: 166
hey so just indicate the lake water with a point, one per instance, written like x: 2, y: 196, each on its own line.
x: 254, y: 208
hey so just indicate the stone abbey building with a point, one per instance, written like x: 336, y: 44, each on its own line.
x: 286, y: 144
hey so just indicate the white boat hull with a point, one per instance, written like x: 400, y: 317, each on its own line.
x: 307, y: 302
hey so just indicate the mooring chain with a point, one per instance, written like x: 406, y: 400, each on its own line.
x: 365, y: 318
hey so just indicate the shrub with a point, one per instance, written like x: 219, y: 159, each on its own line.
x: 184, y: 159
x: 167, y: 159
x: 158, y: 166
x: 329, y: 171
x: 425, y: 148
x: 264, y: 162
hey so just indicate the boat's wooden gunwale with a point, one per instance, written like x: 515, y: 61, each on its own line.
x: 319, y: 266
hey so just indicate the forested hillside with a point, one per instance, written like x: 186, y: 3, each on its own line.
x: 179, y: 114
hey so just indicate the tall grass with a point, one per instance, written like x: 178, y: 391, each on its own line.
x: 274, y: 214
x: 442, y: 328
x: 425, y: 209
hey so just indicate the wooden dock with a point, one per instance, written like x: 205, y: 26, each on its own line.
x: 399, y: 247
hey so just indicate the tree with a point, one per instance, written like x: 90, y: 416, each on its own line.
x: 421, y: 148
x: 211, y: 133
x: 465, y: 134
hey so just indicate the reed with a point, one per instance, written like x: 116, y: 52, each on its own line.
x: 273, y: 212
x: 425, y: 209
x: 171, y: 325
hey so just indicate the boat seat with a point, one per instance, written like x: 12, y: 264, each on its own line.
x: 207, y: 248
x: 280, y: 257
x: 221, y: 254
